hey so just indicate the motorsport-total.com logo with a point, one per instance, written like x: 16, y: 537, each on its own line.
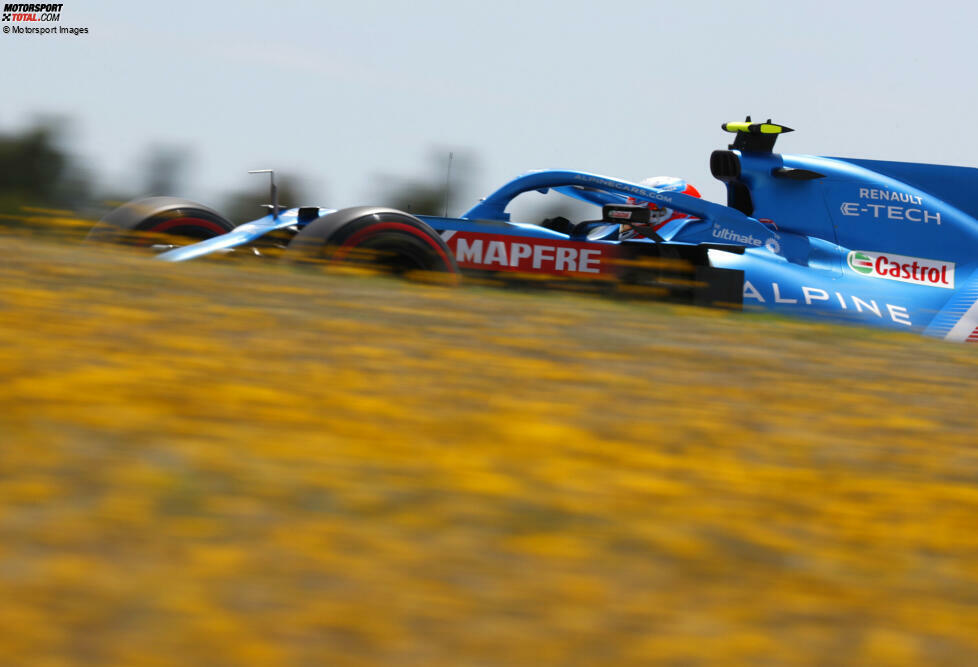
x: 32, y: 12
x: 915, y: 270
x: 27, y: 19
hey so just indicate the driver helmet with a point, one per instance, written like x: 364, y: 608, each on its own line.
x: 660, y: 214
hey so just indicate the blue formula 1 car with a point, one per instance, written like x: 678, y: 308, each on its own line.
x: 888, y: 244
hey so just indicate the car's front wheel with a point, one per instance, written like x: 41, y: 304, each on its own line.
x: 383, y: 238
x: 163, y: 222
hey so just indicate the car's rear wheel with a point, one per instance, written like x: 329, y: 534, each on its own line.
x: 163, y: 222
x: 383, y: 238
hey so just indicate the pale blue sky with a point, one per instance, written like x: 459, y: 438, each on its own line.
x: 342, y: 92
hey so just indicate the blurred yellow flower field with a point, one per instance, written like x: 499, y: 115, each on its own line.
x: 241, y: 463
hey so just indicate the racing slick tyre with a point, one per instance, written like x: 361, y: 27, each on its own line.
x: 141, y: 221
x: 380, y: 237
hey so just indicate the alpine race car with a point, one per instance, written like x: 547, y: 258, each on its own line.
x: 888, y: 244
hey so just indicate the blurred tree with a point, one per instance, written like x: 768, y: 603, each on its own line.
x: 164, y: 168
x: 417, y: 197
x: 428, y: 195
x: 37, y: 171
x: 246, y: 205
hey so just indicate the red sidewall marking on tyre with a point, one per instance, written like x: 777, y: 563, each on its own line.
x: 188, y: 222
x: 368, y: 231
